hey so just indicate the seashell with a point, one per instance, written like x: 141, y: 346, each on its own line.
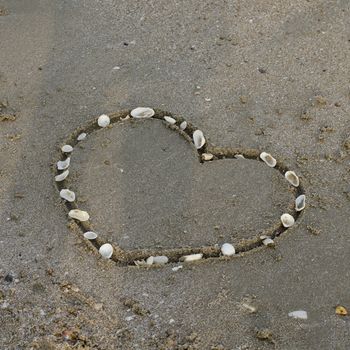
x: 170, y: 120
x: 106, y: 250
x: 239, y: 156
x: 198, y: 139
x: 103, y: 120
x: 301, y: 314
x: 177, y: 268
x: 140, y: 263
x: 67, y: 148
x: 63, y: 164
x: 82, y: 136
x: 79, y: 215
x: 90, y: 235
x: 192, y: 257
x: 228, y: 249
x: 268, y: 159
x: 287, y: 220
x: 62, y: 176
x: 183, y: 125
x: 149, y: 260
x: 300, y: 202
x: 269, y: 242
x: 292, y: 178
x: 142, y: 112
x: 207, y: 156
x: 67, y: 195
x: 161, y: 259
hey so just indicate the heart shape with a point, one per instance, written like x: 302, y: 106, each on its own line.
x: 205, y: 153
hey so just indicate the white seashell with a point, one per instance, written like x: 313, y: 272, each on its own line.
x: 106, y: 250
x: 192, y: 257
x: 183, y: 125
x: 207, y: 156
x: 239, y: 156
x: 79, y: 215
x: 301, y: 314
x: 142, y: 112
x: 82, y: 136
x: 67, y: 195
x: 161, y: 259
x: 140, y: 263
x: 103, y: 120
x: 292, y: 178
x: 198, y: 139
x: 62, y: 176
x: 300, y: 202
x: 268, y: 159
x: 269, y: 242
x: 287, y: 220
x: 177, y: 268
x: 90, y: 235
x: 63, y: 164
x: 170, y: 120
x: 149, y: 260
x: 67, y: 148
x: 228, y: 249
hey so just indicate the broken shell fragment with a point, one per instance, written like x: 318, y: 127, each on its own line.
x: 142, y: 112
x: 228, y: 249
x: 191, y: 257
x: 82, y: 136
x: 67, y: 148
x: 103, y: 120
x: 62, y: 176
x: 292, y: 178
x: 183, y: 125
x: 268, y: 159
x: 269, y: 242
x: 90, y: 235
x: 198, y: 139
x: 239, y: 156
x: 106, y: 250
x: 207, y: 156
x: 170, y: 120
x: 300, y: 202
x: 67, y: 195
x: 287, y: 220
x: 301, y: 314
x: 63, y: 164
x: 78, y: 214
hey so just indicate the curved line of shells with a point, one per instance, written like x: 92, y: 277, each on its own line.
x: 227, y: 249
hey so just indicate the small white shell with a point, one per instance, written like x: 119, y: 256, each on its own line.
x: 268, y: 159
x: 228, y: 249
x: 90, y: 235
x: 198, y: 139
x: 269, y: 242
x: 62, y: 176
x: 192, y: 257
x: 103, y: 120
x: 161, y: 259
x: 170, y: 120
x: 67, y: 148
x: 177, y: 268
x: 106, y: 250
x: 287, y: 220
x: 142, y: 112
x: 67, y: 195
x: 82, y: 136
x: 207, y: 156
x: 301, y: 314
x: 300, y: 202
x: 239, y: 156
x: 63, y: 164
x: 149, y: 260
x: 80, y: 215
x: 292, y: 178
x: 183, y: 125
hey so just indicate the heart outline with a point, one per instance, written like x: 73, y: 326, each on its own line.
x: 128, y: 257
